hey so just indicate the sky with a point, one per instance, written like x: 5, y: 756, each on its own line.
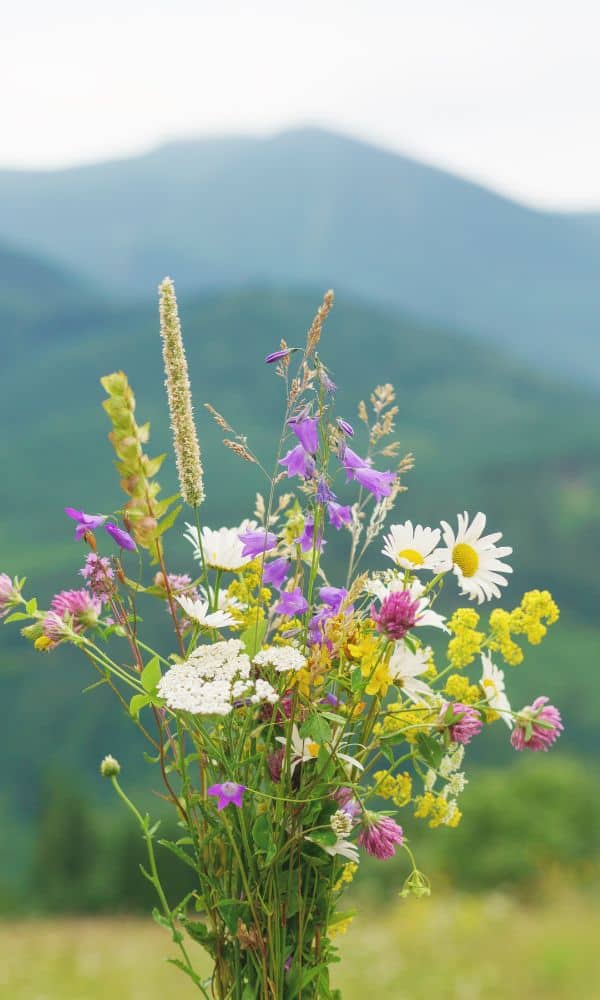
x: 502, y: 92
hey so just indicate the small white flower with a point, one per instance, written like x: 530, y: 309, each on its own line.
x: 302, y: 750
x: 412, y: 547
x: 430, y: 780
x: 341, y: 823
x: 222, y: 548
x: 405, y: 667
x: 199, y: 612
x: 456, y: 783
x: 283, y: 658
x: 345, y: 849
x: 492, y: 685
x: 450, y: 812
x: 475, y: 560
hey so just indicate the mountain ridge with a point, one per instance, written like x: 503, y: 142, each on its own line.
x: 310, y: 208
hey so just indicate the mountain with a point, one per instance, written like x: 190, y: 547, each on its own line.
x: 308, y: 208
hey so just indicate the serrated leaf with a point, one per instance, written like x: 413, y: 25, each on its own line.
x: 168, y: 521
x: 316, y: 728
x: 324, y: 838
x: 430, y: 750
x: 178, y: 852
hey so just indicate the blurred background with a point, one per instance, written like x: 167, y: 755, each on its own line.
x: 438, y: 165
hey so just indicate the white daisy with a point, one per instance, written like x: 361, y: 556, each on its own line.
x: 199, y: 611
x: 222, y: 548
x: 412, y: 547
x: 405, y: 667
x: 492, y: 685
x: 301, y: 750
x: 476, y: 560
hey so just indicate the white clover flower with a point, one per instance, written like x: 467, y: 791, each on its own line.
x: 283, y: 658
x: 222, y: 548
x: 450, y: 812
x: 199, y: 612
x: 341, y: 823
x: 412, y: 547
x: 456, y: 783
x: 475, y: 560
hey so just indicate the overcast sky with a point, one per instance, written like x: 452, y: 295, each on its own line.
x: 506, y: 92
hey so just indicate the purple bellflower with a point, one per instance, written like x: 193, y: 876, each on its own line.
x: 85, y: 522
x: 275, y: 572
x: 257, y: 542
x: 291, y: 602
x: 121, y: 537
x: 307, y: 432
x: 298, y: 463
x: 227, y: 793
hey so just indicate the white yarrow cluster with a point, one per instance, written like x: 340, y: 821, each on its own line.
x: 283, y: 658
x: 213, y: 679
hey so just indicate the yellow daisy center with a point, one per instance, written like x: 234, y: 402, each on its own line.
x: 313, y: 749
x: 412, y: 556
x: 465, y: 557
x: 490, y: 685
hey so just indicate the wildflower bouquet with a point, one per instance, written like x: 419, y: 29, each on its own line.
x: 293, y: 717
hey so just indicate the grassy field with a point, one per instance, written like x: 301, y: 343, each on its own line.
x: 447, y: 948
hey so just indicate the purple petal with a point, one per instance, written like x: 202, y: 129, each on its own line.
x: 121, y: 537
x: 307, y: 432
x: 257, y: 542
x: 298, y: 463
x: 275, y: 572
x: 344, y: 426
x: 277, y: 355
x: 377, y: 483
x: 338, y: 514
x: 291, y: 602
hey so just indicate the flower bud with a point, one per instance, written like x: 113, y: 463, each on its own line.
x: 110, y: 767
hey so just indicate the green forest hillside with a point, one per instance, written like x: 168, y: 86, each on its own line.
x: 312, y: 208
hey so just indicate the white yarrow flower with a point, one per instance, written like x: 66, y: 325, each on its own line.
x: 212, y: 679
x: 412, y: 547
x: 475, y: 560
x: 283, y: 658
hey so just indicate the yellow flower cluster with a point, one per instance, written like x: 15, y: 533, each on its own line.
x: 313, y: 674
x: 410, y: 721
x: 373, y: 662
x: 438, y: 810
x: 531, y: 618
x: 398, y: 789
x: 459, y: 689
x: 247, y: 590
x: 339, y: 926
x: 347, y: 874
x: 467, y: 641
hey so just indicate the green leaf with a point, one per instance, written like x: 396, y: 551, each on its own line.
x: 316, y: 728
x: 324, y: 838
x: 31, y: 606
x: 253, y: 636
x: 261, y: 832
x: 136, y: 704
x: 168, y: 521
x: 178, y: 852
x: 430, y: 750
x: 151, y: 675
x: 357, y: 679
x: 17, y: 616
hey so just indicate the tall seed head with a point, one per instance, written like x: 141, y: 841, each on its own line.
x: 185, y: 440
